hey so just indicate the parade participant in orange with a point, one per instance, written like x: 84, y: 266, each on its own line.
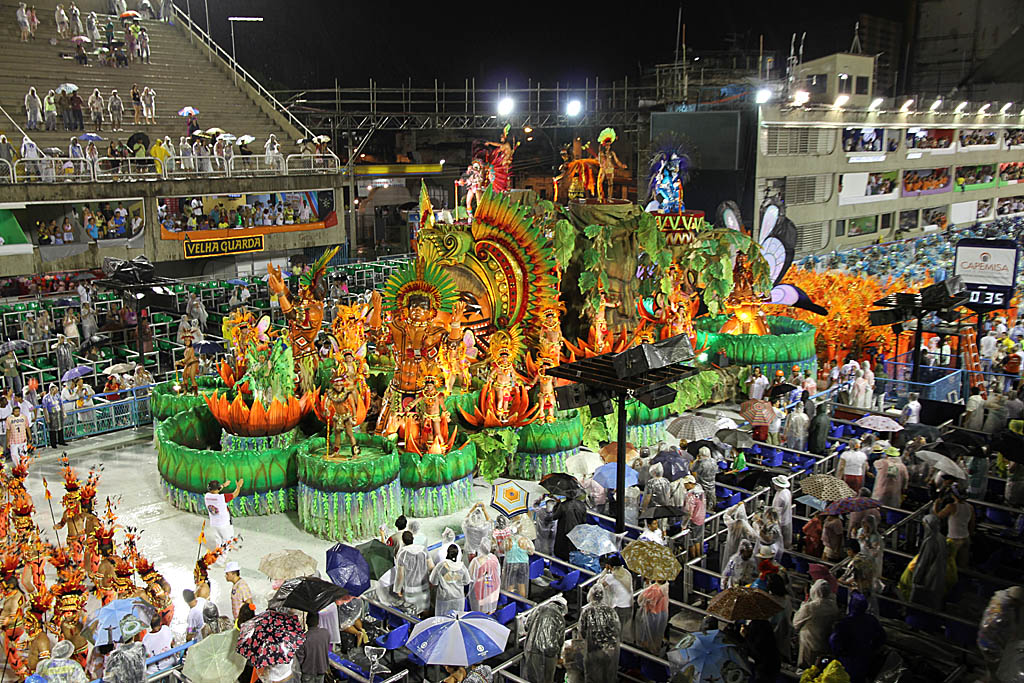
x: 12, y: 614
x: 190, y: 367
x: 35, y: 622
x: 70, y: 598
x: 341, y: 404
x: 546, y: 395
x: 430, y: 405
x: 103, y: 577
x: 73, y: 518
x: 607, y: 162
x: 157, y: 588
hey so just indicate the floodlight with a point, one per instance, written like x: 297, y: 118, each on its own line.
x: 875, y: 103
x: 906, y: 106
x: 1005, y: 108
x: 984, y: 108
x: 505, y: 106
x: 960, y: 107
x: 800, y: 98
x: 936, y: 104
x: 573, y: 108
x: 840, y: 101
x: 763, y: 95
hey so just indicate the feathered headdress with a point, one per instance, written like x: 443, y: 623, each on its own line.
x: 71, y: 483
x: 508, y: 341
x: 22, y: 506
x: 40, y: 603
x: 426, y: 208
x: 422, y: 277
x: 9, y: 567
x: 88, y: 492
x: 146, y: 570
x: 308, y: 280
x: 20, y: 470
x: 607, y: 135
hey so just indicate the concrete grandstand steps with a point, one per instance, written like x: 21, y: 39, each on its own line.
x: 180, y: 73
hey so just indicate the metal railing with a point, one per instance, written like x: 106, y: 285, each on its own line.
x: 312, y: 163
x: 193, y: 166
x: 177, y: 14
x: 6, y: 171
x: 257, y: 165
x: 53, y: 170
x: 110, y: 169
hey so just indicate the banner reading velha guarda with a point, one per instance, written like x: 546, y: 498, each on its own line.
x: 224, y: 246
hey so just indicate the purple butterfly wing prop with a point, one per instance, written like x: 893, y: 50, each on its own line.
x: 791, y: 295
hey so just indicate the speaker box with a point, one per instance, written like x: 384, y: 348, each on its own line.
x: 937, y: 412
x: 658, y: 397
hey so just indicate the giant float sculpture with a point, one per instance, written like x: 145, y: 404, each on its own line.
x: 442, y: 374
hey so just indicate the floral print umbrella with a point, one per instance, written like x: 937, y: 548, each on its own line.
x: 270, y: 638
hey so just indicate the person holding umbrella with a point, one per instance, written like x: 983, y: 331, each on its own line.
x: 567, y: 515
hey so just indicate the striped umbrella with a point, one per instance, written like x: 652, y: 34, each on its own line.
x: 467, y: 638
x: 757, y: 412
x: 509, y: 498
x: 692, y: 427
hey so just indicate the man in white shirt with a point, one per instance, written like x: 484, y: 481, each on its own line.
x: 988, y: 349
x: 852, y: 464
x: 217, y: 508
x: 775, y: 426
x: 195, y: 613
x: 758, y: 384
x: 84, y: 295
x: 245, y: 295
x: 1000, y: 325
x: 912, y: 411
x: 618, y: 585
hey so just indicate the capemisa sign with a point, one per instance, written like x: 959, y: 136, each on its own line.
x: 986, y: 262
x: 224, y: 246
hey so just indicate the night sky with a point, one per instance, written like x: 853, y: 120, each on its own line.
x: 307, y: 44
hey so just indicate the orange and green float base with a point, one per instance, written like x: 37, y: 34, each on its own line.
x: 189, y: 455
x: 438, y: 484
x: 164, y: 401
x: 348, y: 499
x: 790, y: 342
x: 544, y: 446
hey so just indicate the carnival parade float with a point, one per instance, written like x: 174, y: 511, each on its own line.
x: 442, y: 375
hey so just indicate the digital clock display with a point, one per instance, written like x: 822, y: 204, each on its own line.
x: 996, y: 299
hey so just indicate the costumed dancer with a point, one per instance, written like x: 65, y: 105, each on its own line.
x: 607, y: 162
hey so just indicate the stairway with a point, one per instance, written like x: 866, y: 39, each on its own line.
x: 180, y: 73
x: 972, y: 359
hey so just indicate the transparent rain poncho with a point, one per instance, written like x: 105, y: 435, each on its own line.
x: 61, y: 670
x: 814, y: 621
x: 476, y: 527
x: 599, y: 628
x: 451, y: 578
x: 413, y: 570
x: 651, y: 617
x: 739, y: 529
x: 545, y: 635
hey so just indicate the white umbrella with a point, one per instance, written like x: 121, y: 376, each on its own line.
x: 583, y: 463
x: 942, y: 463
x: 245, y: 140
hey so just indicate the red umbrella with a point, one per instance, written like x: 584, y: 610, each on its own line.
x: 853, y: 504
x: 130, y: 14
x: 757, y: 412
x: 820, y: 571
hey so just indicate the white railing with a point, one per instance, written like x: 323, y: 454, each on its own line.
x: 6, y: 171
x: 257, y: 165
x: 53, y: 170
x: 186, y: 22
x: 119, y: 169
x: 311, y: 164
x: 202, y: 166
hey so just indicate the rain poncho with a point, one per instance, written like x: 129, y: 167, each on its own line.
x: 56, y: 670
x: 651, y: 617
x: 351, y: 610
x: 738, y: 527
x: 411, y: 578
x: 739, y: 571
x: 476, y: 527
x: 705, y: 469
x: 817, y: 437
x: 126, y: 664
x: 928, y: 576
x: 451, y: 578
x: 440, y: 553
x: 891, y: 479
x: 515, y: 570
x: 770, y: 534
x: 797, y: 425
x: 485, y: 573
x: 568, y: 514
x: 871, y: 542
x: 545, y: 635
x: 197, y: 311
x: 599, y: 628
x: 782, y: 503
x: 814, y: 621
x: 977, y: 475
x: 544, y: 517
x: 1002, y: 623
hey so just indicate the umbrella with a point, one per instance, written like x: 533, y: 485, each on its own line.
x: 812, y: 502
x: 673, y: 465
x: 561, y: 484
x: 139, y: 137
x: 322, y: 139
x: 610, y: 451
x: 735, y: 438
x: 236, y: 281
x: 81, y: 277
x: 879, y: 423
x: 245, y: 140
x: 284, y: 274
x: 509, y: 498
x: 87, y: 137
x: 852, y: 504
x: 693, y: 447
x: 462, y: 640
x: 94, y: 340
x: 583, y: 463
x: 757, y: 413
x: 606, y: 475
x: 378, y: 558
x: 80, y: 40
x: 306, y: 593
x: 76, y: 372
x: 119, y: 368
x: 67, y: 87
x: 651, y: 560
x: 820, y: 571
x: 214, y: 659
x: 1010, y: 444
x: 226, y: 137
x: 287, y: 564
x: 956, y: 450
x: 726, y: 423
x: 706, y: 656
x: 692, y: 427
x: 781, y: 390
x: 130, y: 14
x: 68, y: 302
x: 185, y: 111
x: 826, y: 487
x: 942, y: 463
x: 207, y: 347
x: 54, y: 151
x: 215, y: 131
x: 743, y: 602
x: 14, y: 345
x: 104, y: 626
x: 347, y: 568
x: 592, y: 539
x: 965, y: 437
x: 270, y: 638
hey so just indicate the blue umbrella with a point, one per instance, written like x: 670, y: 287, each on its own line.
x: 463, y: 640
x: 207, y: 347
x: 89, y: 137
x: 347, y: 568
x: 605, y: 475
x: 75, y: 373
x: 236, y: 281
x: 105, y: 625
x: 705, y: 656
x: 673, y: 465
x: 185, y: 111
x: 592, y: 539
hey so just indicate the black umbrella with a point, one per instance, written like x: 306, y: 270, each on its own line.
x: 965, y: 438
x: 14, y: 345
x: 737, y: 438
x: 138, y: 137
x: 781, y: 390
x: 693, y: 447
x: 953, y: 450
x: 307, y: 593
x: 562, y: 484
x: 661, y: 512
x: 673, y: 464
x: 84, y: 276
x: 1010, y: 444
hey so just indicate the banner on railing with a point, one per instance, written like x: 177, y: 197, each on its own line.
x: 227, y: 246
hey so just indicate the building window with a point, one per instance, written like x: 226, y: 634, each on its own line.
x: 845, y: 84
x: 886, y: 221
x: 840, y: 228
x: 779, y: 141
x: 862, y: 85
x: 865, y: 225
x: 817, y: 84
x: 810, y: 237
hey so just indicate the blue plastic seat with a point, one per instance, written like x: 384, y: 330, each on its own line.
x: 506, y: 613
x: 568, y: 582
x: 536, y: 568
x: 394, y: 639
x: 1000, y: 517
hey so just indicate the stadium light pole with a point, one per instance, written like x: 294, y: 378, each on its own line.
x: 234, y: 62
